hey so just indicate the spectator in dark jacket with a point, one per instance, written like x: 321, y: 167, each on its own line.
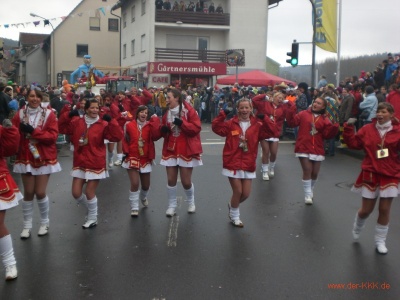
x: 4, y: 108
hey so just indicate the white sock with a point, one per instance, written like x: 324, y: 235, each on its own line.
x: 110, y: 156
x: 82, y: 200
x: 307, y: 188
x: 359, y: 223
x: 381, y: 232
x: 92, y: 208
x: 272, y: 164
x: 134, y: 200
x: 7, y: 251
x: 190, y: 195
x: 143, y: 194
x: 265, y: 167
x: 172, y: 201
x: 234, y: 213
x: 27, y: 210
x: 119, y: 156
x: 44, y: 208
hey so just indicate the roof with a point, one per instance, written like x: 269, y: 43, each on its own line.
x: 28, y: 39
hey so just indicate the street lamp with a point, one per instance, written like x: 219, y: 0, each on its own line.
x: 53, y: 51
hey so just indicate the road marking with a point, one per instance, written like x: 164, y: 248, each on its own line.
x: 173, y: 226
x: 213, y: 143
x: 213, y: 139
x: 173, y: 231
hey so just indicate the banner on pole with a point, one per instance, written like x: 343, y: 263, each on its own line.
x: 326, y: 24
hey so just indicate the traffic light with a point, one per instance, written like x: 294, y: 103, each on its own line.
x: 294, y: 55
x: 1, y: 49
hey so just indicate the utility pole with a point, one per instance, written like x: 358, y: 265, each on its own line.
x: 313, y: 43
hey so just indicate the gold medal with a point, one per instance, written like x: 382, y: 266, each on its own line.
x: 382, y: 153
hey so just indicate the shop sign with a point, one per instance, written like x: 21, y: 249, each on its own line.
x: 187, y: 68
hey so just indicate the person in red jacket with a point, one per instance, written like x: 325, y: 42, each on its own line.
x: 394, y: 99
x: 276, y: 109
x: 181, y: 148
x: 139, y: 97
x: 314, y: 127
x: 9, y: 195
x: 89, y: 162
x: 380, y: 169
x: 138, y: 144
x: 36, y: 158
x: 242, y: 132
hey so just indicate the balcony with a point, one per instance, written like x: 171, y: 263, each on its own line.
x: 190, y: 17
x: 190, y: 55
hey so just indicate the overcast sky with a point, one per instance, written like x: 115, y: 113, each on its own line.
x: 368, y: 26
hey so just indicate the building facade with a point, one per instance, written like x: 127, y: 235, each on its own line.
x: 189, y: 48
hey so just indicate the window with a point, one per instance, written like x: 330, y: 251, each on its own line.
x: 143, y: 43
x: 113, y: 25
x: 94, y: 23
x: 124, y: 20
x: 124, y: 51
x: 82, y: 50
x: 133, y: 12
x: 143, y: 7
x: 132, y: 47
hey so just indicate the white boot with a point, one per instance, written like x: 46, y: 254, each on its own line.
x: 143, y: 197
x: 380, y: 238
x: 358, y: 226
x: 307, y: 192
x: 190, y: 200
x: 7, y: 256
x: 172, y: 201
x: 92, y: 213
x: 265, y: 175
x: 27, y: 210
x: 134, y: 200
x: 44, y: 216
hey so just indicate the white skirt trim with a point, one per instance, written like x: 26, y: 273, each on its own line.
x: 390, y: 192
x: 4, y: 205
x: 89, y: 175
x: 239, y: 174
x: 49, y: 169
x: 145, y: 169
x: 173, y: 162
x: 272, y: 140
x: 311, y: 156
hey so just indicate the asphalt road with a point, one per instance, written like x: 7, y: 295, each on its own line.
x: 286, y: 250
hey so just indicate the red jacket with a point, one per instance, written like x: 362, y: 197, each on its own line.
x: 93, y: 155
x: 46, y: 138
x: 144, y: 99
x: 233, y: 157
x: 394, y: 99
x: 190, y: 129
x: 275, y: 113
x: 368, y: 139
x: 307, y: 143
x: 9, y: 142
x: 150, y: 133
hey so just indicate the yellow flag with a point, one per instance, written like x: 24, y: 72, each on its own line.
x: 326, y: 24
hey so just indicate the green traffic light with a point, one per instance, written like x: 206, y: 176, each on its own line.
x: 294, y: 62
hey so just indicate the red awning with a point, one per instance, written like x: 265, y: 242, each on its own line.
x: 254, y: 78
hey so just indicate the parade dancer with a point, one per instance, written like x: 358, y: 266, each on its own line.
x: 380, y: 169
x: 314, y: 127
x: 181, y: 148
x: 9, y: 195
x: 36, y: 158
x: 89, y: 163
x: 242, y: 132
x: 138, y: 144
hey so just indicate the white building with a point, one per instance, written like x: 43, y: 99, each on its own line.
x: 165, y: 46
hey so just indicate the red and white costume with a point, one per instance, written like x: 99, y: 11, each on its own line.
x: 238, y: 163
x: 137, y: 135
x: 87, y: 136
x: 9, y: 192
x: 379, y: 176
x: 313, y: 129
x: 44, y: 137
x: 143, y: 99
x: 182, y: 145
x: 277, y: 113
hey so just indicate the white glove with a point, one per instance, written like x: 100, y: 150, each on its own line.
x: 285, y: 101
x: 140, y: 90
x: 7, y: 123
x: 351, y: 121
